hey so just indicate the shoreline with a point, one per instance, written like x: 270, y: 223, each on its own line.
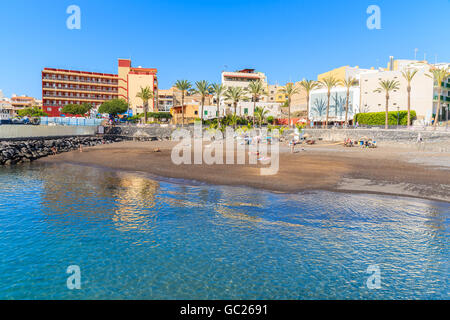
x: 318, y: 168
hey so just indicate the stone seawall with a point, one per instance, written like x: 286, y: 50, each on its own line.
x: 27, y: 131
x: 154, y: 132
x: 14, y: 152
x: 380, y: 135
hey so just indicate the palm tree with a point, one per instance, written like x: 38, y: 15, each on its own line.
x: 308, y: 86
x: 289, y: 90
x: 329, y: 82
x: 409, y: 75
x: 183, y: 86
x: 261, y: 113
x: 145, y: 94
x: 256, y: 89
x: 387, y: 86
x: 218, y: 90
x: 348, y: 83
x: 203, y: 88
x: 439, y: 75
x: 235, y: 94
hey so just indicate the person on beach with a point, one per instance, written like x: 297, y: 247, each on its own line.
x: 81, y: 148
x: 54, y: 150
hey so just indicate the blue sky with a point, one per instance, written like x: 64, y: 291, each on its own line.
x: 195, y: 40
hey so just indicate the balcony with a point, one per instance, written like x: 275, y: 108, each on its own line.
x: 72, y: 98
x: 76, y: 89
x: 73, y: 80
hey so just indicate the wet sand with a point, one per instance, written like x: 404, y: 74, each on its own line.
x: 392, y: 170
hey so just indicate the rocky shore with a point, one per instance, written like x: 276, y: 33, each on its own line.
x: 15, y: 152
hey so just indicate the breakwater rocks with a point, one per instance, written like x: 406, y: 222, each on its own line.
x: 15, y: 152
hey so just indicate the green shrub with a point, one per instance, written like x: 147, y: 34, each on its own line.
x: 270, y: 119
x: 155, y: 115
x: 378, y: 118
x: 31, y: 112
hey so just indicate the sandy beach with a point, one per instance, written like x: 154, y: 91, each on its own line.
x: 393, y: 170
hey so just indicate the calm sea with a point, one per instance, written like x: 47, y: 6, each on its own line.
x: 134, y: 237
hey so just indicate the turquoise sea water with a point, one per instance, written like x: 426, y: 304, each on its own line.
x: 137, y: 238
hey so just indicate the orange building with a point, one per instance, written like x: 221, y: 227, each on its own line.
x: 61, y: 87
x: 131, y: 80
x: 21, y: 102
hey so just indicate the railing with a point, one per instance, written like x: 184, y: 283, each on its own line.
x: 76, y: 97
x: 85, y: 81
x: 70, y: 121
x: 390, y: 127
x: 79, y: 89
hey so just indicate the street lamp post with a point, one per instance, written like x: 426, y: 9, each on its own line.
x: 448, y: 110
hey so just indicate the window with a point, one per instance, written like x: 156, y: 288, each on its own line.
x: 49, y: 109
x: 206, y: 113
x: 196, y: 112
x: 245, y: 110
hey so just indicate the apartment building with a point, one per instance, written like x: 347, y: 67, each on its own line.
x: 131, y: 80
x: 424, y: 90
x: 22, y: 102
x: 242, y: 79
x: 61, y: 87
x: 274, y: 94
x: 5, y: 105
x: 166, y: 99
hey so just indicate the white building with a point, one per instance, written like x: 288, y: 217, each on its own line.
x: 5, y: 105
x: 243, y: 109
x: 423, y: 90
x: 242, y: 79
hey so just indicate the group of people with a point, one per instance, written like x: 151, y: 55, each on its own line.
x: 364, y: 142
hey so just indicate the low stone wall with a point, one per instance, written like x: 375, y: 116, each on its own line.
x: 30, y: 131
x: 379, y: 135
x: 14, y: 152
x: 152, y: 132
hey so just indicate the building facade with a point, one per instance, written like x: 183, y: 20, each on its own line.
x: 61, y: 87
x: 242, y: 79
x: 166, y: 100
x: 338, y: 103
x: 22, y: 102
x: 131, y: 80
x: 5, y: 104
x: 424, y: 90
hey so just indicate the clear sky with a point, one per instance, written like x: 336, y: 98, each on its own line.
x: 196, y: 40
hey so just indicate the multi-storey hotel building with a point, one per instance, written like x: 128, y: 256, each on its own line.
x: 61, y: 87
